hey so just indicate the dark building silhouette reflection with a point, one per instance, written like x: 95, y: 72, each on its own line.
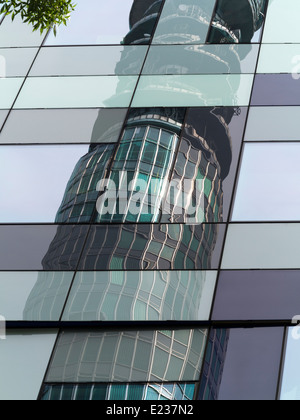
x: 158, y: 146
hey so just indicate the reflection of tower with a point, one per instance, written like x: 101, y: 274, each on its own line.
x: 165, y: 364
x: 157, y: 145
x: 155, y: 295
x: 240, y: 26
x: 213, y: 364
x: 142, y: 19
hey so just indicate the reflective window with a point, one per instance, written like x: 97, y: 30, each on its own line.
x: 257, y: 295
x: 282, y: 22
x: 39, y: 175
x: 108, y: 126
x: 242, y: 364
x: 213, y: 364
x: 120, y: 392
x: 16, y: 255
x: 262, y: 194
x: 18, y: 34
x: 146, y: 154
x: 153, y: 247
x: 142, y: 164
x: 16, y: 62
x: 76, y: 92
x: 244, y: 25
x: 80, y: 197
x: 194, y: 90
x: 276, y: 89
x: 262, y: 246
x: 279, y: 58
x: 63, y: 126
x: 99, y: 22
x: 211, y: 160
x: 142, y: 356
x: 40, y: 296
x: 266, y: 123
x: 79, y: 61
x: 140, y: 296
x: 290, y: 386
x: 24, y: 357
x: 9, y: 89
x: 3, y: 115
x: 201, y: 59
x: 184, y: 22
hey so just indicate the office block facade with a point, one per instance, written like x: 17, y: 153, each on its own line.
x: 149, y: 212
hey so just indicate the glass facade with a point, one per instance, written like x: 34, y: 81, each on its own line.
x: 149, y: 210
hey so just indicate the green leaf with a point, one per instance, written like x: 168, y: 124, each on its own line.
x: 41, y: 14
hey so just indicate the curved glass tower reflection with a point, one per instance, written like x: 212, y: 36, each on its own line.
x: 172, y: 227
x: 237, y: 26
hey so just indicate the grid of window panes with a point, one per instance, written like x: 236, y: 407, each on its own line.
x: 129, y: 392
x: 150, y: 94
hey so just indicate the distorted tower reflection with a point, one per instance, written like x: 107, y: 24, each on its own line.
x: 157, y: 146
x: 238, y: 26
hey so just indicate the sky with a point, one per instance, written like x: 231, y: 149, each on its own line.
x: 33, y: 180
x: 95, y: 22
x: 269, y: 183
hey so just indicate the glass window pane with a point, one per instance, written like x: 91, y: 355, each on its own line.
x: 290, y: 387
x: 201, y: 59
x: 106, y: 60
x: 16, y: 62
x: 184, y: 22
x: 257, y: 295
x: 135, y: 392
x: 91, y: 291
x: 275, y: 89
x: 262, y: 246
x: 129, y: 392
x: 147, y: 156
x: 63, y: 126
x: 106, y: 24
x: 65, y: 244
x: 108, y: 125
x: 40, y: 176
x: 282, y: 14
x: 80, y: 198
x: 194, y: 90
x: 237, y: 21
x: 222, y: 129
x: 260, y: 189
x: 251, y: 360
x: 104, y: 245
x: 24, y: 357
x: 3, y: 115
x: 19, y: 34
x: 40, y: 296
x: 278, y: 58
x: 99, y: 392
x: 117, y: 393
x: 109, y: 23
x: 76, y: 92
x: 9, y: 89
x: 265, y: 124
x: 105, y: 360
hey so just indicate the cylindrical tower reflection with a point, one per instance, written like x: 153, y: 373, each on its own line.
x: 159, y: 148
